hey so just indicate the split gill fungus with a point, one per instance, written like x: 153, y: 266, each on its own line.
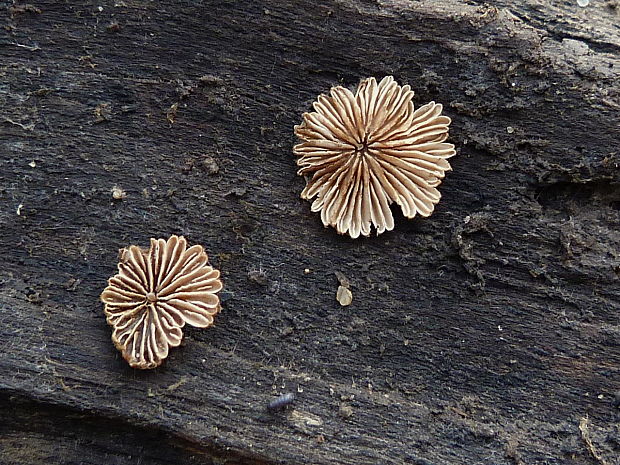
x: 155, y: 293
x: 362, y: 152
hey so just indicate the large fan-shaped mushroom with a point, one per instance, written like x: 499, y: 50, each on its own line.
x: 364, y: 151
x: 155, y: 293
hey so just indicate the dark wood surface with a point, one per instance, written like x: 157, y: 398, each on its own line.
x: 484, y: 334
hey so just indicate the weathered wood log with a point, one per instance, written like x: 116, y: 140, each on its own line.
x: 485, y: 334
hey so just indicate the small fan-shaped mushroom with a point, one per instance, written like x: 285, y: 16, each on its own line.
x: 155, y: 293
x: 361, y: 152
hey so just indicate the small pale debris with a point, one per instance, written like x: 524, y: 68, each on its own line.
x: 210, y: 165
x: 118, y: 193
x: 286, y: 331
x: 72, y: 284
x: 305, y: 419
x: 345, y: 410
x: 19, y: 209
x: 102, y: 112
x: 510, y: 129
x: 236, y: 192
x: 172, y: 112
x: 178, y: 384
x: 211, y: 80
x: 307, y: 271
x: 344, y: 296
x: 583, y: 3
x: 188, y: 165
x: 258, y: 276
x: 20, y: 9
x: 32, y: 164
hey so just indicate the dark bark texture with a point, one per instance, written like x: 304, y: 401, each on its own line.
x: 487, y: 333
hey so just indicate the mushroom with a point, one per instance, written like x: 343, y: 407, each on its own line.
x: 362, y: 152
x: 155, y: 293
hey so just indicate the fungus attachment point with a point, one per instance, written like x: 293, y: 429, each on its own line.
x: 364, y: 151
x: 145, y: 322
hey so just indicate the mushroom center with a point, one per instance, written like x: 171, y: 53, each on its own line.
x: 361, y: 147
x: 151, y: 297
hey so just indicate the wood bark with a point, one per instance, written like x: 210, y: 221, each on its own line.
x: 487, y: 333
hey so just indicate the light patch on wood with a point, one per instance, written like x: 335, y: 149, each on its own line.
x: 302, y: 419
x: 178, y: 384
x: 584, y: 425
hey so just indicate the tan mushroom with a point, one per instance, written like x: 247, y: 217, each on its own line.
x: 155, y: 293
x: 361, y: 152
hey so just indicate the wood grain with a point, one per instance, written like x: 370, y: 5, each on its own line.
x: 480, y: 335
